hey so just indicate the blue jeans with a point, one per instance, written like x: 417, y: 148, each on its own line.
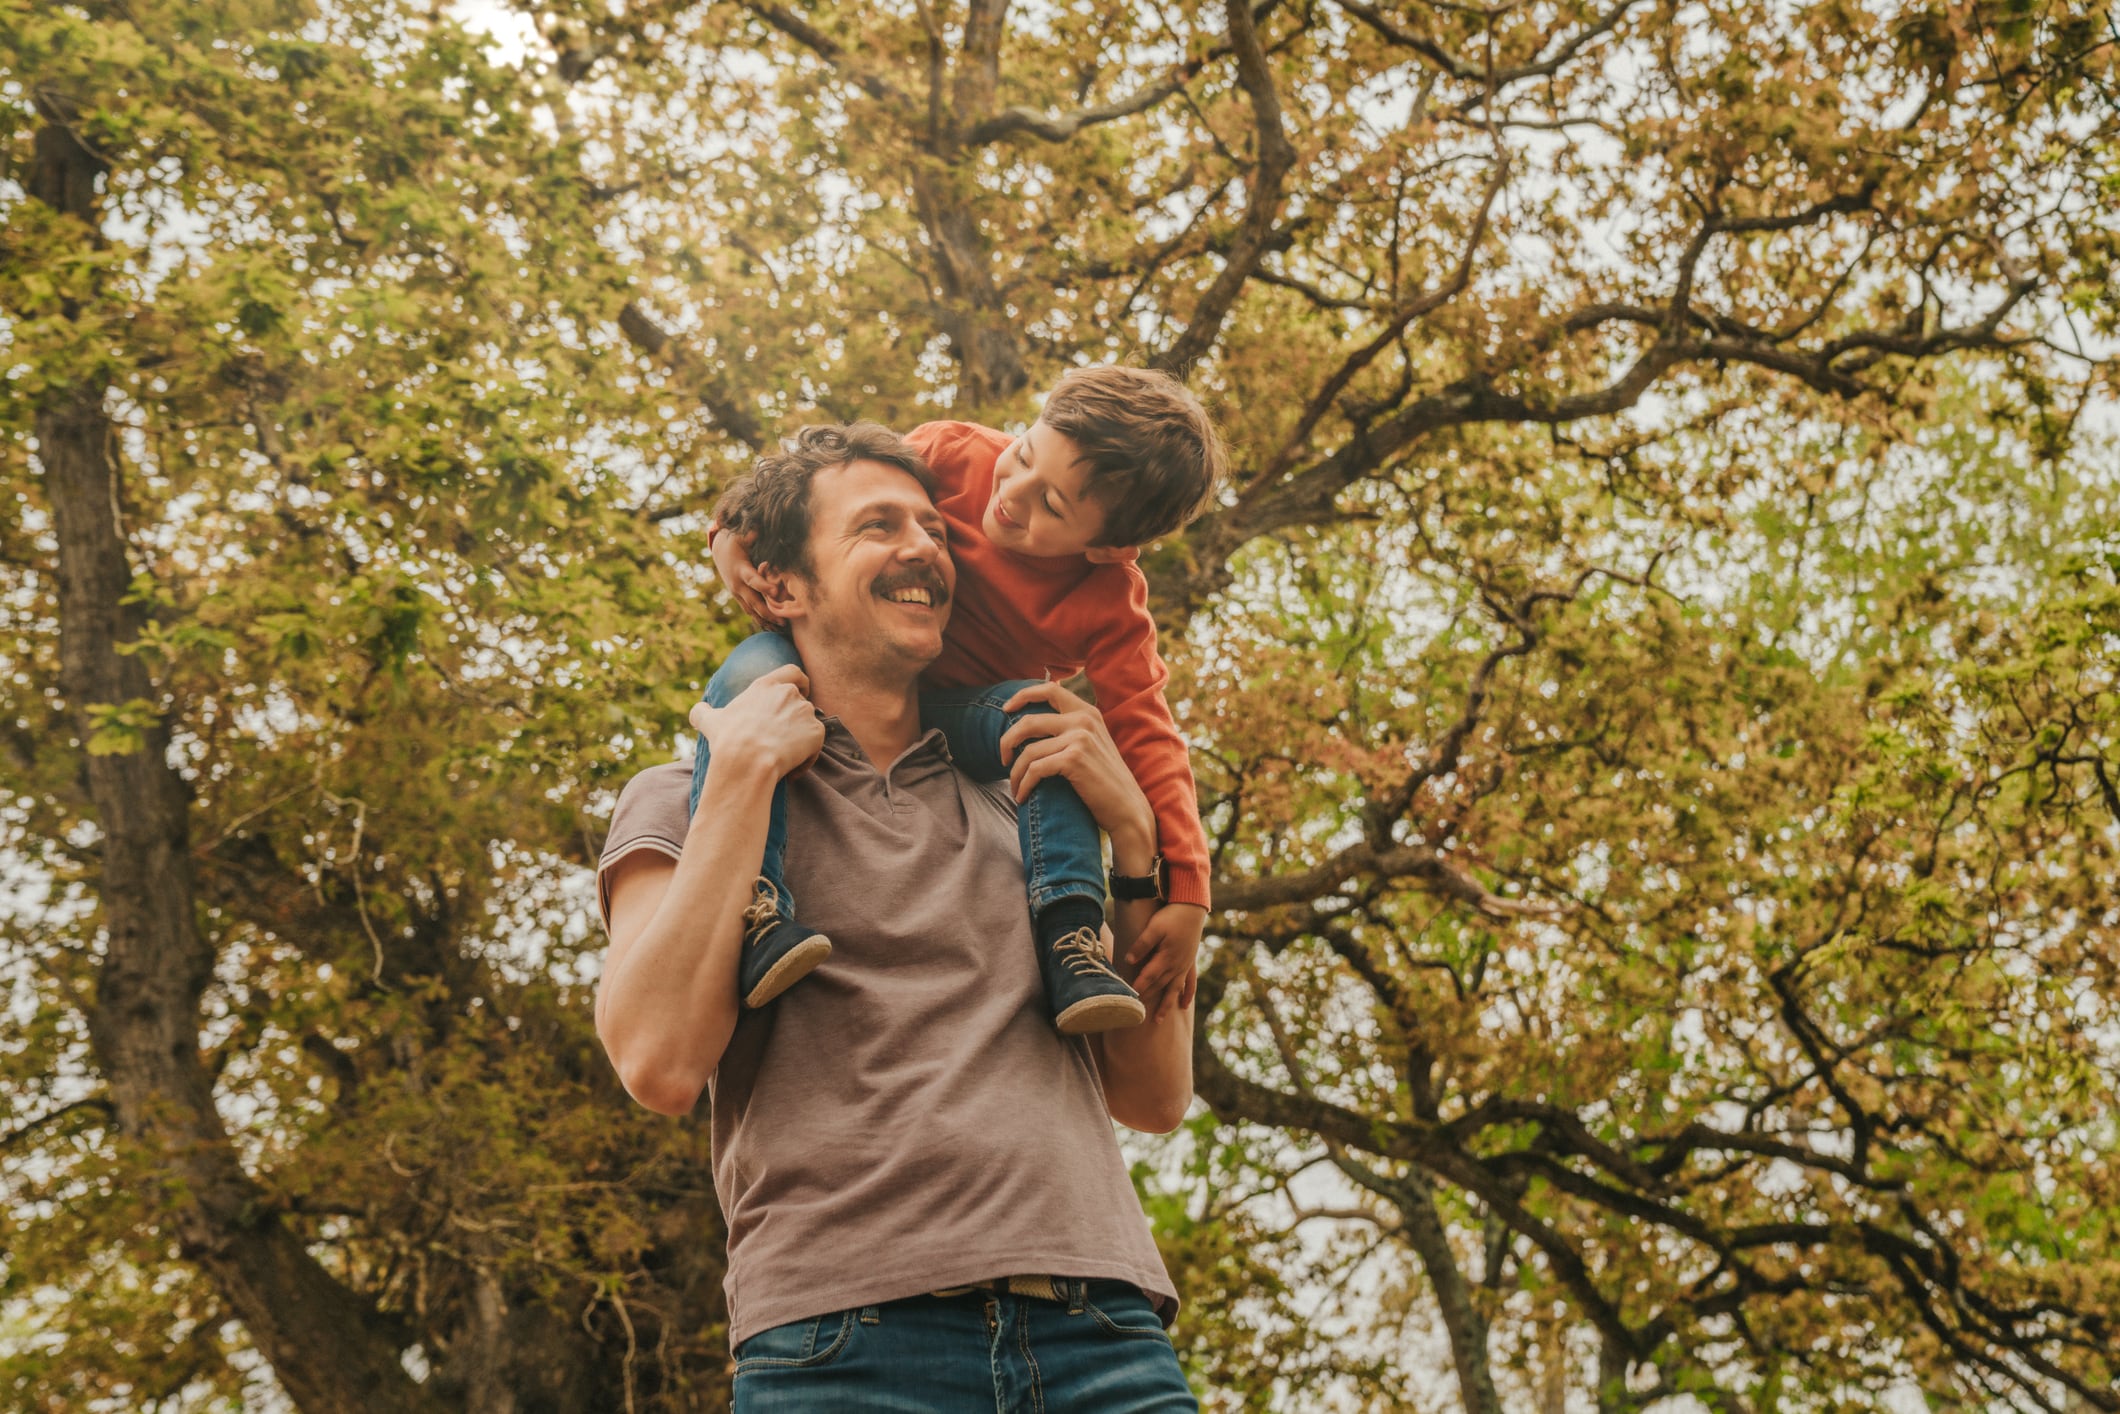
x: 1101, y: 1349
x: 1062, y: 857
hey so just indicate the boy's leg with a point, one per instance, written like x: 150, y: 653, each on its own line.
x: 778, y: 952
x: 1063, y: 861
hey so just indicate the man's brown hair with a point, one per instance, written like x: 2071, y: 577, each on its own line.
x: 1154, y: 457
x: 772, y: 500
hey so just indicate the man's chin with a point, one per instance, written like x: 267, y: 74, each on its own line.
x: 922, y: 646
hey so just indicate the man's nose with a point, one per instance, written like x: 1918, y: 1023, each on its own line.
x: 918, y: 545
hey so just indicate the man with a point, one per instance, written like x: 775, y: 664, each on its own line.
x: 926, y: 1206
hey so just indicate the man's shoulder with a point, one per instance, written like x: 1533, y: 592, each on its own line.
x: 994, y: 793
x: 650, y: 810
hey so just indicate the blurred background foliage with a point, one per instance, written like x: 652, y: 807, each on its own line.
x: 1652, y: 677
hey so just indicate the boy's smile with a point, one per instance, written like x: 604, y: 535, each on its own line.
x: 1041, y: 504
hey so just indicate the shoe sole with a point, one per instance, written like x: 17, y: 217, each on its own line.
x: 1093, y: 1014
x: 801, y: 961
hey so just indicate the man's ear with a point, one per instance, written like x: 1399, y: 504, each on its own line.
x: 1108, y: 554
x: 781, y: 593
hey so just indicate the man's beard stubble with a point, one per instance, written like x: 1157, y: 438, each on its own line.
x: 873, y: 656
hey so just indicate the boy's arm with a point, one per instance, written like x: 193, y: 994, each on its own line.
x: 949, y: 448
x: 1129, y: 677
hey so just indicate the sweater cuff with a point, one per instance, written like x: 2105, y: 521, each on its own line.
x: 1187, y: 883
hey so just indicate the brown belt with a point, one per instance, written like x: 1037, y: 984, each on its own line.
x: 1045, y: 1288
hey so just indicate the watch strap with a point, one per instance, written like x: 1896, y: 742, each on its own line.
x: 1143, y: 886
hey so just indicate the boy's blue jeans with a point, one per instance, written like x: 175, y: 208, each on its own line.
x: 1062, y: 857
x: 1100, y: 1349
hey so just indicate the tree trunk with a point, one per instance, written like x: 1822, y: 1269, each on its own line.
x: 330, y: 1350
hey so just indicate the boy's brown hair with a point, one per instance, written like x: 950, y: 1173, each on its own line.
x: 1154, y: 457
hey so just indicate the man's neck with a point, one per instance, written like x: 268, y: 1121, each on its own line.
x: 882, y: 717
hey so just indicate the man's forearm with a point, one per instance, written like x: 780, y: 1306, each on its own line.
x: 1147, y: 1069
x: 669, y: 1006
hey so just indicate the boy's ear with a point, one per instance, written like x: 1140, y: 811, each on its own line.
x: 1108, y: 554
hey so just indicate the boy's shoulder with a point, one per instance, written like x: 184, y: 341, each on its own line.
x: 956, y: 441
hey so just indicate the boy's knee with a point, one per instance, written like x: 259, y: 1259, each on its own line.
x: 750, y: 661
x: 1006, y: 690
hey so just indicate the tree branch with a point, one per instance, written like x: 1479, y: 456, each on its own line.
x: 1275, y: 157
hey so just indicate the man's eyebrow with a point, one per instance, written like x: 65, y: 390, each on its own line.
x: 877, y: 508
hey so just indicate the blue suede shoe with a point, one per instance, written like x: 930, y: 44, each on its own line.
x: 1081, y: 990
x: 778, y: 952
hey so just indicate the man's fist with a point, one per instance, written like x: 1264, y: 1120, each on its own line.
x: 770, y: 722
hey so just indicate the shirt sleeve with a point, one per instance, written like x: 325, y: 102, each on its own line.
x: 650, y: 815
x: 942, y: 446
x: 1129, y: 677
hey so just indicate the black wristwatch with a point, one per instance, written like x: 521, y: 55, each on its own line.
x: 1154, y: 884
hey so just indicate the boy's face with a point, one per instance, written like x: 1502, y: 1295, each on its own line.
x: 1040, y: 506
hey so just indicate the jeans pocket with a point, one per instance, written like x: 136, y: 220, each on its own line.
x: 798, y: 1345
x: 1120, y: 1309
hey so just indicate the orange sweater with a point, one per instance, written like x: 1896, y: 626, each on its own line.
x: 1030, y: 617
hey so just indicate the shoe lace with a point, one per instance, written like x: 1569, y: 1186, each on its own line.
x: 1084, y: 953
x: 762, y: 912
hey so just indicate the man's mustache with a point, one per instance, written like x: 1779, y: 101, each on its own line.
x: 938, y: 592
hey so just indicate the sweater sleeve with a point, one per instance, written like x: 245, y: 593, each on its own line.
x: 1128, y: 676
x: 942, y: 446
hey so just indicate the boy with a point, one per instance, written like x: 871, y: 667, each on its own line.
x: 1044, y: 530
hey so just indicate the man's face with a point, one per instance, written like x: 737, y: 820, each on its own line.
x: 883, y: 575
x: 1040, y: 505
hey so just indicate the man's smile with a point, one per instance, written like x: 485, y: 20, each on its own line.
x: 922, y: 589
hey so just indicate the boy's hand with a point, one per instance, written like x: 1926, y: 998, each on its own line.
x: 732, y: 561
x: 1165, y: 952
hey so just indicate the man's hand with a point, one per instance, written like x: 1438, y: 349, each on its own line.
x: 1074, y: 742
x: 1166, y: 953
x: 770, y: 722
x: 732, y: 561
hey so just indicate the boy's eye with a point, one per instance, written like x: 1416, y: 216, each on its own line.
x: 1051, y: 509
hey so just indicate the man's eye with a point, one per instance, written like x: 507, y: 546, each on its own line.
x: 874, y: 525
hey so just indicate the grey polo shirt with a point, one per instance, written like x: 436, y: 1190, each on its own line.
x: 905, y: 1117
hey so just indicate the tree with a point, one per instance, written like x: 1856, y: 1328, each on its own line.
x: 308, y: 570
x: 1654, y: 879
